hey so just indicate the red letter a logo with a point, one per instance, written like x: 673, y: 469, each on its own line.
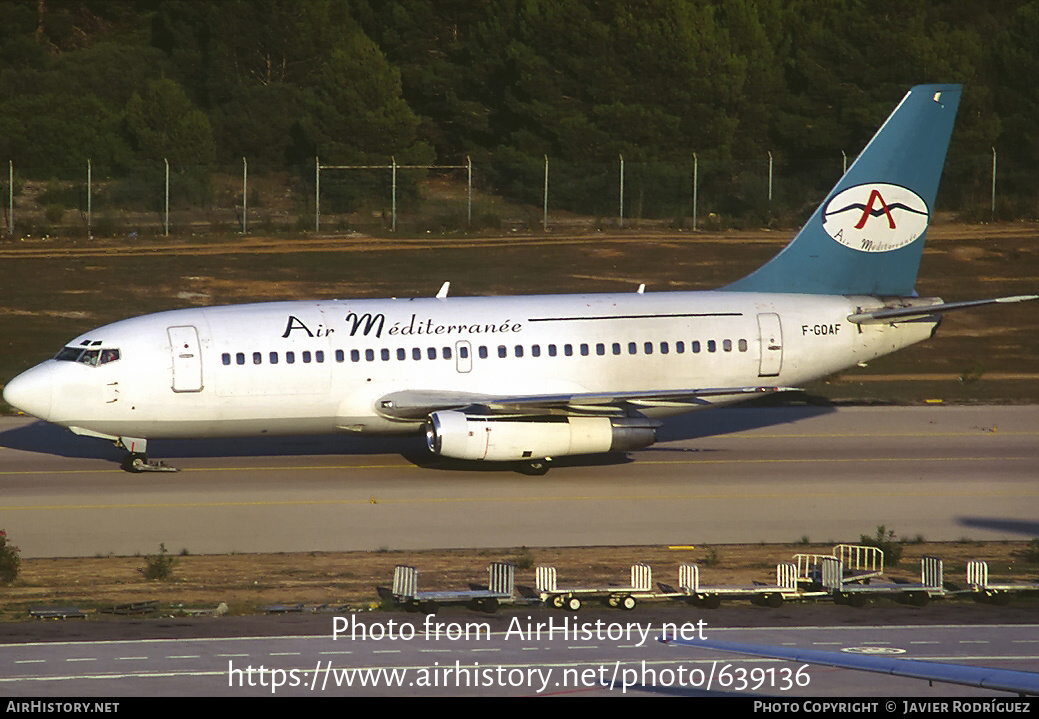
x: 875, y: 195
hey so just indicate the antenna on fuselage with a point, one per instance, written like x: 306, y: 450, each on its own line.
x: 443, y: 290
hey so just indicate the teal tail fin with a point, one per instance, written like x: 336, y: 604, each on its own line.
x: 867, y: 236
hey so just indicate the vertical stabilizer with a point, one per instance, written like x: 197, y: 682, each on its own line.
x: 867, y: 236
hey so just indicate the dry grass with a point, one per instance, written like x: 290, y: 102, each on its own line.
x: 246, y: 583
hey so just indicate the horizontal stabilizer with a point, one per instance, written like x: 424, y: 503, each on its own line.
x: 891, y: 314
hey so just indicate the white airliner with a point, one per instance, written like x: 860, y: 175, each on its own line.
x: 525, y: 379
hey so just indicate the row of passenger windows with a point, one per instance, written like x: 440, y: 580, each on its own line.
x: 503, y: 351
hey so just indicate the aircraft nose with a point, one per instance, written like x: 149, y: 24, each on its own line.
x: 31, y: 392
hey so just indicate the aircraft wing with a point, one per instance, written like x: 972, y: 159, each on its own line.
x: 912, y: 312
x: 1008, y: 680
x: 416, y: 404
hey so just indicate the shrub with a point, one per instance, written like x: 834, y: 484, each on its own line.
x: 159, y: 566
x: 887, y: 542
x: 9, y: 560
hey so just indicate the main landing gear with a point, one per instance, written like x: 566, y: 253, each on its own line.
x: 536, y: 467
x: 137, y: 460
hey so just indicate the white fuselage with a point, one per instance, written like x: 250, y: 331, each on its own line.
x: 322, y: 367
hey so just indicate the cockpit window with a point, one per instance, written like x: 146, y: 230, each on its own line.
x: 92, y: 357
x: 69, y: 354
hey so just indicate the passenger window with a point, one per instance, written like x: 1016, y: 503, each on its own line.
x: 568, y: 350
x: 649, y: 348
x: 355, y: 355
x: 519, y: 350
x: 416, y: 353
x: 483, y: 352
x: 712, y: 345
x: 290, y: 357
x: 385, y: 354
x: 502, y: 352
x: 369, y: 355
x: 225, y: 357
x: 463, y: 352
x: 584, y: 349
x: 616, y: 348
x: 727, y: 345
x: 401, y: 353
x: 551, y: 350
x: 340, y: 355
x: 679, y: 347
x: 306, y: 357
x: 257, y: 358
x: 633, y: 348
x: 695, y: 346
x: 239, y: 358
x: 431, y: 352
x: 743, y: 345
x: 319, y: 356
x: 664, y: 348
x: 600, y: 349
x: 535, y: 350
x: 446, y: 353
x: 273, y: 357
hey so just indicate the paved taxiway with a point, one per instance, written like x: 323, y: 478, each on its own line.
x: 521, y: 653
x: 733, y: 475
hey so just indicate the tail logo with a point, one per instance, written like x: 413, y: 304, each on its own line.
x: 875, y: 217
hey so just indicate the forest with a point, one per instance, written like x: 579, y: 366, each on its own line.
x: 508, y: 83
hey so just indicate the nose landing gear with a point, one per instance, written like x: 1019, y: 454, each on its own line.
x: 137, y: 460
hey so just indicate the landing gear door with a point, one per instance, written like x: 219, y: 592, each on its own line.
x: 187, y: 359
x: 771, y: 336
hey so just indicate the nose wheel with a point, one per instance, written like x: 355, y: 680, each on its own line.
x: 136, y: 460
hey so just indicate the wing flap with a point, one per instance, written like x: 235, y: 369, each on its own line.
x: 417, y: 404
x: 1008, y: 680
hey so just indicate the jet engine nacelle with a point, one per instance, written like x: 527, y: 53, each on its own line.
x: 455, y: 434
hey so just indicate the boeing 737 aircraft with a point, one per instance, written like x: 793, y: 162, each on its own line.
x: 525, y: 379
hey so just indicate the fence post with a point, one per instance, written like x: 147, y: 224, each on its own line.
x: 393, y: 164
x: 696, y: 169
x: 245, y: 195
x: 544, y: 217
x: 317, y: 195
x: 469, y: 193
x: 10, y: 198
x: 89, y: 193
x: 770, y: 178
x: 166, y: 214
x: 622, y: 192
x: 993, y: 184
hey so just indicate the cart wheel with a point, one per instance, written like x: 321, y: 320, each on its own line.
x: 627, y: 603
x: 612, y: 601
x: 557, y: 600
x: 855, y: 600
x: 919, y: 599
x: 711, y: 601
x: 774, y: 600
x: 1000, y: 599
x: 573, y: 604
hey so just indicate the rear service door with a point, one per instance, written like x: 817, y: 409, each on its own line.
x: 771, y: 336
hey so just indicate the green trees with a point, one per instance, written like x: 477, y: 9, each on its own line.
x: 509, y: 81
